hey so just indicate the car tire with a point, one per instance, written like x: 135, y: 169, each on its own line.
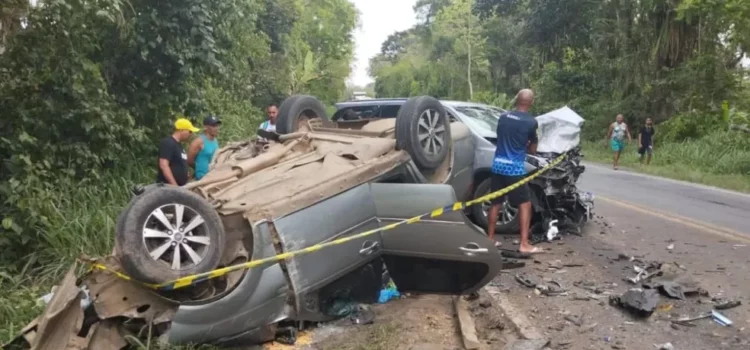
x: 482, y: 218
x: 142, y: 233
x: 423, y: 120
x: 296, y: 109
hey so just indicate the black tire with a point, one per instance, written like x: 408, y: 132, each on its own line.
x: 408, y: 130
x: 295, y: 107
x: 132, y: 247
x: 482, y: 219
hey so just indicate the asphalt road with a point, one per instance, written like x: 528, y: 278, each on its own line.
x: 701, y: 230
x: 714, y: 209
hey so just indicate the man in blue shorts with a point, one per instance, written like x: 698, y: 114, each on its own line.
x: 516, y: 134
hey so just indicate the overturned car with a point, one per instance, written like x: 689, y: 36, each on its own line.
x: 311, y: 183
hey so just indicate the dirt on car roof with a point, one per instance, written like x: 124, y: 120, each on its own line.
x: 274, y: 179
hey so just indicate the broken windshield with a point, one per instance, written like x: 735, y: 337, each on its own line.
x: 484, y: 118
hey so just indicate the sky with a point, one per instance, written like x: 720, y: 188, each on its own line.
x: 378, y: 19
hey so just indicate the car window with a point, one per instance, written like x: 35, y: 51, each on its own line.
x: 481, y: 117
x: 389, y: 111
x: 357, y: 113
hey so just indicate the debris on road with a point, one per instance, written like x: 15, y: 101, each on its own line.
x: 576, y: 320
x: 670, y: 247
x: 727, y: 304
x: 553, y: 288
x: 588, y: 327
x: 641, y: 302
x: 526, y: 344
x: 466, y: 324
x: 387, y: 294
x: 665, y: 346
x: 688, y: 321
x: 525, y: 281
x: 720, y: 319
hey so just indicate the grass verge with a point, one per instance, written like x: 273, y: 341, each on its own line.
x: 713, y: 161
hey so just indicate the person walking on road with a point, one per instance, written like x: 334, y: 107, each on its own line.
x: 646, y: 140
x: 202, y: 149
x: 516, y: 134
x: 616, y: 137
x: 173, y: 167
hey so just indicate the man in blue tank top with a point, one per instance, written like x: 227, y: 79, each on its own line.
x: 202, y: 149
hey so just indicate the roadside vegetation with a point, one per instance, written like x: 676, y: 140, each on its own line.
x: 87, y: 88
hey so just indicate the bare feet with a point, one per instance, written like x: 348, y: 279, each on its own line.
x: 530, y: 249
x: 498, y: 244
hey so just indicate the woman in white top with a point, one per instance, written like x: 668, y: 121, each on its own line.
x: 616, y: 138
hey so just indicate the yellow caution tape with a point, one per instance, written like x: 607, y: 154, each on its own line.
x: 195, y: 279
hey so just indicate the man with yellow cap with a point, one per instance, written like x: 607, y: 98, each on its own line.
x: 173, y: 167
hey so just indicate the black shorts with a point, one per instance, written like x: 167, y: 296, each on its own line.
x: 644, y: 149
x: 516, y: 197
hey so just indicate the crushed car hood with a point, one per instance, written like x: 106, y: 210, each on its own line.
x: 559, y: 130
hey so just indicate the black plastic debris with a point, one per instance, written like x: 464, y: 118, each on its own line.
x: 525, y: 281
x: 727, y: 304
x: 639, y: 302
x: 514, y: 254
x: 673, y: 290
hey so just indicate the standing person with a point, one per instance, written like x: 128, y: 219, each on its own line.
x: 516, y: 134
x: 272, y: 111
x: 616, y: 137
x: 646, y: 140
x: 173, y: 168
x: 202, y: 149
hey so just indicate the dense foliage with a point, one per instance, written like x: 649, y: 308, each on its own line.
x: 87, y: 87
x: 675, y: 61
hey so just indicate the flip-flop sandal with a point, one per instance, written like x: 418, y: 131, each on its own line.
x: 526, y: 281
x: 512, y: 264
x: 514, y: 254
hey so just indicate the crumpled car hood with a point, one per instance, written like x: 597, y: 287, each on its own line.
x: 559, y: 130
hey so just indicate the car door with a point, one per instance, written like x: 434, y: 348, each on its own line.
x: 342, y: 215
x: 463, y: 156
x: 443, y: 255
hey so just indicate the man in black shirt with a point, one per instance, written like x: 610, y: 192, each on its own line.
x: 173, y: 167
x: 646, y: 140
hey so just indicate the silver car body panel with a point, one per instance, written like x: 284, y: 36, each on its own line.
x: 345, y: 214
x: 449, y: 237
x: 245, y: 308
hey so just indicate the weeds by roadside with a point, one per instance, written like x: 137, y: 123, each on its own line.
x: 720, y: 159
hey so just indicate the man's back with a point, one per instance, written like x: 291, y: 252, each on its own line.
x: 514, y: 131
